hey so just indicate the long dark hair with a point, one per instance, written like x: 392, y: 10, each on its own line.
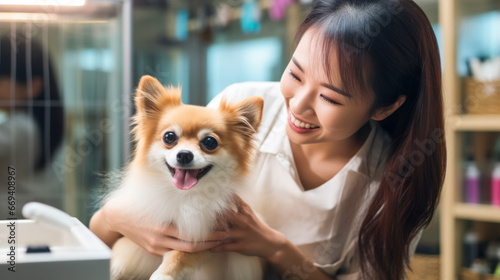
x: 388, y: 47
x: 47, y: 105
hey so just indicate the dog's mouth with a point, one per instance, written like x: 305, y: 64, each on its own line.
x: 184, y: 179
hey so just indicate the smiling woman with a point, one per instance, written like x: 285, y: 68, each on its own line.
x: 386, y: 55
x: 337, y: 196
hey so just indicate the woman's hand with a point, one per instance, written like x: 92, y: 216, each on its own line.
x: 249, y: 235
x: 157, y: 240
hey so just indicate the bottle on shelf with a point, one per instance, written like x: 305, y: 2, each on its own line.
x: 472, y: 181
x: 471, y: 248
x: 496, y: 273
x: 492, y: 251
x: 480, y: 266
x: 495, y: 182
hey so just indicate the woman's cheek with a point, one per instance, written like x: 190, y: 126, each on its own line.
x: 286, y: 89
x: 329, y: 116
x: 338, y: 121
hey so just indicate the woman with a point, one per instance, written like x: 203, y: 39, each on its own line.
x: 351, y: 150
x: 31, y: 121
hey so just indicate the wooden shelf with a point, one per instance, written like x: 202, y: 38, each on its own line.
x: 451, y: 16
x: 477, y: 212
x: 474, y: 122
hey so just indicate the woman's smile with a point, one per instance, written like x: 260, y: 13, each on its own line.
x: 300, y: 126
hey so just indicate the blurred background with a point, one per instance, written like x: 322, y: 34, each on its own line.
x: 72, y: 66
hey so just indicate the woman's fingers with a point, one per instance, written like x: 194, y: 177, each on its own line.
x: 167, y: 238
x: 241, y: 205
x: 173, y: 232
x: 192, y: 247
x: 169, y: 244
x: 218, y: 236
x: 236, y: 220
x: 159, y: 245
x: 242, y: 218
x: 225, y: 247
x: 156, y: 250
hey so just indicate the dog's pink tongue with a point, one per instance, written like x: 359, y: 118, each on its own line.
x: 185, y: 179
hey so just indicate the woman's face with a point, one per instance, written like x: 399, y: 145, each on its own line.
x: 318, y: 110
x: 21, y: 91
x: 5, y: 97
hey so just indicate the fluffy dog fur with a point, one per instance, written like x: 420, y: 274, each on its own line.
x: 157, y: 185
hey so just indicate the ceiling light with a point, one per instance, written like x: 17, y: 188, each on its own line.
x: 43, y: 3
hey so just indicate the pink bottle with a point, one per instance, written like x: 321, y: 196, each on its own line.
x: 472, y: 182
x: 495, y: 184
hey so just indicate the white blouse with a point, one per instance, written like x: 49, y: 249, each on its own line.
x: 322, y: 222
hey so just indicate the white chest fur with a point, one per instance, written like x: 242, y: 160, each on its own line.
x: 195, y: 212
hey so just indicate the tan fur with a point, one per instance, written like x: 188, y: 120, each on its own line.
x: 123, y: 250
x: 241, y: 117
x: 179, y: 262
x: 151, y: 99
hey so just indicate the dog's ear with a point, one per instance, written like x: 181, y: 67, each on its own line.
x: 151, y: 96
x: 247, y: 114
x: 251, y: 109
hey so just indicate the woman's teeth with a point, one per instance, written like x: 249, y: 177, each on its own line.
x: 300, y: 124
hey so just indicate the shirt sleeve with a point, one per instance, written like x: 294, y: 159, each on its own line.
x: 236, y: 92
x: 269, y: 91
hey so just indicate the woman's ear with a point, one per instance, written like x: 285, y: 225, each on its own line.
x: 384, y: 112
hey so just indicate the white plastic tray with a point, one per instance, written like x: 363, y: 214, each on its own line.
x: 76, y: 253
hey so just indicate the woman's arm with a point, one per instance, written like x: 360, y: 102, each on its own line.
x: 100, y: 227
x: 250, y: 236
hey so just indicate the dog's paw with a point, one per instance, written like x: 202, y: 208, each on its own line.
x: 157, y: 275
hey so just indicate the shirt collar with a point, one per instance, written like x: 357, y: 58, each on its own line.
x: 276, y: 133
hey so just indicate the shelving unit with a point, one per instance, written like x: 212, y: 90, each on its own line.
x: 483, y: 213
x: 453, y: 211
x: 460, y: 123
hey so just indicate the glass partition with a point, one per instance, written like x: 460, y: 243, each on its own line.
x: 63, y: 103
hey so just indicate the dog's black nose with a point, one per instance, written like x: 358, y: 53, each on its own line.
x: 184, y: 157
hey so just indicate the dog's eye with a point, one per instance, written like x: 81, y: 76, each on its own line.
x: 169, y: 138
x: 210, y: 143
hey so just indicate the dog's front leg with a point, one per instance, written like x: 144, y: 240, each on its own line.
x: 177, y: 265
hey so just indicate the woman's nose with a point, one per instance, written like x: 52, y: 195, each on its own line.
x: 302, y: 101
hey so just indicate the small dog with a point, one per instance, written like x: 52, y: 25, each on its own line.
x: 189, y: 163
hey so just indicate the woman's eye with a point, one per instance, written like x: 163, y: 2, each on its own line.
x: 169, y: 138
x: 329, y: 100
x: 210, y: 143
x: 295, y: 76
